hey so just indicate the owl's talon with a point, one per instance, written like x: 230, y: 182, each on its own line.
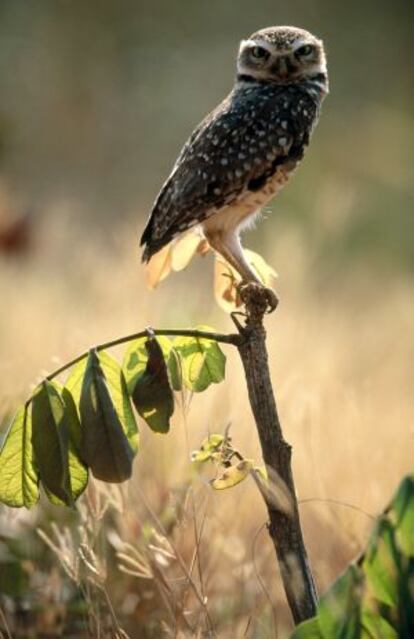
x: 259, y: 295
x: 272, y: 300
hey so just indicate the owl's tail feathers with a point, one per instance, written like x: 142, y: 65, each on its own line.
x: 151, y: 245
x: 146, y: 241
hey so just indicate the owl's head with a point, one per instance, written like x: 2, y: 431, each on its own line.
x: 282, y: 55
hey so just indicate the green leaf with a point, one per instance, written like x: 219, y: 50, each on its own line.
x: 209, y: 446
x: 340, y: 608
x: 78, y: 472
x: 308, y: 630
x: 136, y: 357
x: 382, y: 563
x: 374, y: 599
x: 152, y: 394
x: 175, y: 369
x: 403, y: 511
x: 202, y: 361
x: 233, y: 475
x: 376, y: 626
x: 50, y: 437
x: 18, y: 474
x: 109, y: 435
x: 74, y: 381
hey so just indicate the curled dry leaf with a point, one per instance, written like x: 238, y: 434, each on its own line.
x: 233, y: 475
x: 176, y: 256
x: 184, y: 249
x: 225, y: 285
x: 226, y: 279
x: 159, y: 267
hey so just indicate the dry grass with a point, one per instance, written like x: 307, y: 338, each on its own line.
x: 341, y: 354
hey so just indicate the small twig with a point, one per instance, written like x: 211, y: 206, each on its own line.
x: 336, y: 502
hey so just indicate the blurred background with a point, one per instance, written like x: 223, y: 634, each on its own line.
x: 97, y: 99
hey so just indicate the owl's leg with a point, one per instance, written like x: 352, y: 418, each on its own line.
x: 229, y: 246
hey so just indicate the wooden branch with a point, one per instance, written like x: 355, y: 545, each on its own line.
x: 284, y: 526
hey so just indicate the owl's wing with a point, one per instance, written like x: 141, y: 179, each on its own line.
x: 236, y: 148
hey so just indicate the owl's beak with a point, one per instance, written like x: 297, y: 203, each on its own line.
x: 282, y: 67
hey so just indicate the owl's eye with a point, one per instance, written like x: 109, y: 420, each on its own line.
x: 260, y: 53
x: 305, y: 50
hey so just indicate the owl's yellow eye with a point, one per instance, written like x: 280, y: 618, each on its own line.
x: 304, y: 51
x: 260, y: 53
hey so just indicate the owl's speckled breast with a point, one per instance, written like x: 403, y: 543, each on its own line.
x: 244, y: 210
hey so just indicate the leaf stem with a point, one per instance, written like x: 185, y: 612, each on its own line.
x: 233, y: 339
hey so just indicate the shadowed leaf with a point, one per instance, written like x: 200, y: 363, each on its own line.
x: 109, y: 436
x: 78, y: 472
x: 50, y: 438
x: 136, y: 358
x: 152, y: 394
x: 18, y: 474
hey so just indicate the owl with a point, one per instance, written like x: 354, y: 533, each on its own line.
x: 247, y: 148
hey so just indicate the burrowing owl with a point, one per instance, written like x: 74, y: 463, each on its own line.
x: 247, y: 148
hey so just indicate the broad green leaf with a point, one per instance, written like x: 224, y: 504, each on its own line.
x: 209, y: 446
x: 373, y: 625
x: 382, y: 564
x: 375, y: 598
x: 175, y: 370
x: 402, y: 510
x: 340, y: 608
x: 308, y: 630
x: 50, y: 439
x: 117, y: 385
x: 119, y: 394
x: 109, y: 436
x: 74, y: 381
x: 233, y: 475
x: 203, y: 362
x: 136, y: 357
x: 78, y: 472
x: 152, y: 394
x: 19, y: 478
